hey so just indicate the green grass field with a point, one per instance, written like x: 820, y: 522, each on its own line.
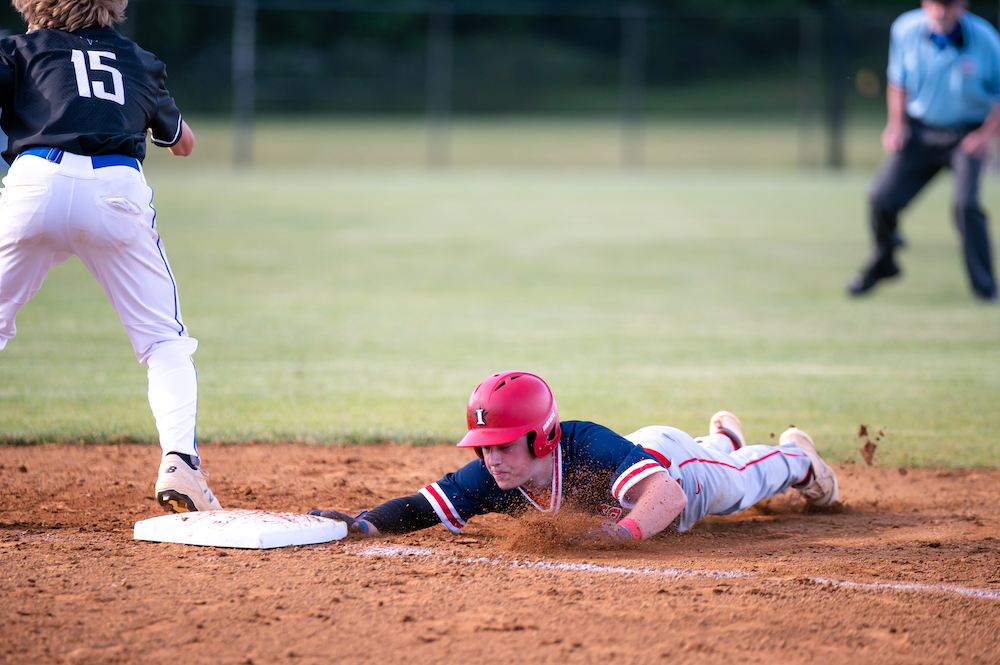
x: 338, y: 304
x: 775, y: 142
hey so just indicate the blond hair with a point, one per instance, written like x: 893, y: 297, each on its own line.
x: 70, y: 15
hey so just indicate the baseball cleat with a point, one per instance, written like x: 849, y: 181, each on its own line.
x: 822, y: 490
x: 726, y: 423
x: 885, y: 268
x: 181, y: 489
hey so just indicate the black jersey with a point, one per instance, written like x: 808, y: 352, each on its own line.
x: 90, y: 92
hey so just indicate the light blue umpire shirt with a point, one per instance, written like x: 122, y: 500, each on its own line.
x: 950, y: 86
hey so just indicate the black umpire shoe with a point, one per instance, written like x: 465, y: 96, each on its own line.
x: 882, y: 269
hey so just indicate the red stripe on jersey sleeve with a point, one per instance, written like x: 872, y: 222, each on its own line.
x: 634, y: 474
x: 659, y: 457
x: 443, y: 507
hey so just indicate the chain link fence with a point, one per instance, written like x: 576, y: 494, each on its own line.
x: 813, y: 64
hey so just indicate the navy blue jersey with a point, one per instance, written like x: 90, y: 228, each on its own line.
x: 594, y: 469
x: 90, y: 92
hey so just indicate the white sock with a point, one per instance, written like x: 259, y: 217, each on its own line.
x: 173, y: 396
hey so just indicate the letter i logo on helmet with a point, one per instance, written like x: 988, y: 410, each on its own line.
x: 508, y: 405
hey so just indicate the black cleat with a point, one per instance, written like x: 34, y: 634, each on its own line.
x: 871, y: 276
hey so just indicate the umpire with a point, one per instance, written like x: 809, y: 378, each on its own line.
x: 943, y: 103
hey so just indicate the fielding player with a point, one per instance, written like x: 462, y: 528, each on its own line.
x: 943, y: 103
x: 653, y: 479
x: 77, y: 99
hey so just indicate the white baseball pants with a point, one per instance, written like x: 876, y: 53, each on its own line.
x: 717, y: 479
x: 51, y: 210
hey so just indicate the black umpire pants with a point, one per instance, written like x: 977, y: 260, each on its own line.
x: 902, y: 175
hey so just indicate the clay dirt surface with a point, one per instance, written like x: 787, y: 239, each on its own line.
x: 906, y: 569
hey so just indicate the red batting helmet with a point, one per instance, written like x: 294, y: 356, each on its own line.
x: 507, y: 406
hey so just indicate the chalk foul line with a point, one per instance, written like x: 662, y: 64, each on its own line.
x: 541, y: 564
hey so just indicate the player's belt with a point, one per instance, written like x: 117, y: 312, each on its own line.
x: 55, y: 156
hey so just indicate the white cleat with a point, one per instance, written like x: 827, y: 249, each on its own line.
x: 726, y: 423
x: 181, y: 489
x: 822, y: 490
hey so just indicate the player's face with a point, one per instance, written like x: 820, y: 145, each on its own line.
x: 942, y: 16
x: 513, y: 465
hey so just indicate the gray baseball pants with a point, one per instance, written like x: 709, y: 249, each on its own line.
x: 901, y: 177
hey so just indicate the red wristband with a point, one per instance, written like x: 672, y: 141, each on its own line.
x: 633, y: 527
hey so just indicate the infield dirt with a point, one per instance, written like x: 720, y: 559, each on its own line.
x: 905, y: 570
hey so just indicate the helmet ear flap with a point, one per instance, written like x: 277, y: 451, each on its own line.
x: 541, y: 447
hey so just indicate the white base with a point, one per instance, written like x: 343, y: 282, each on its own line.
x: 249, y: 529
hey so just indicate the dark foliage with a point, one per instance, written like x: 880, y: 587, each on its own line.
x: 699, y: 54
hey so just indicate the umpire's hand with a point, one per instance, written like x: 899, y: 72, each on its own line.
x: 893, y: 138
x: 976, y: 143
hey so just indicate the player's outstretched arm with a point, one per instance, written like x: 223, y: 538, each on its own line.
x: 355, y: 525
x: 185, y: 146
x: 403, y: 515
x: 658, y: 499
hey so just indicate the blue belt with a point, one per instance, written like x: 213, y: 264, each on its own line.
x: 55, y: 155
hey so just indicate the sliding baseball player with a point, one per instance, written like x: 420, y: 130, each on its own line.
x: 636, y: 486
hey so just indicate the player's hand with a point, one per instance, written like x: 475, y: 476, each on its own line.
x: 893, y: 138
x: 354, y: 524
x: 976, y: 144
x: 608, y: 532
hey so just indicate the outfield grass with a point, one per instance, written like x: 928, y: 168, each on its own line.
x: 339, y: 305
x: 773, y: 142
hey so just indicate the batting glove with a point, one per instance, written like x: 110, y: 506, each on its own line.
x: 354, y: 524
x: 608, y: 533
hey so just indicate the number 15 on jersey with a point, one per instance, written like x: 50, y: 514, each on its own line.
x: 95, y: 88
